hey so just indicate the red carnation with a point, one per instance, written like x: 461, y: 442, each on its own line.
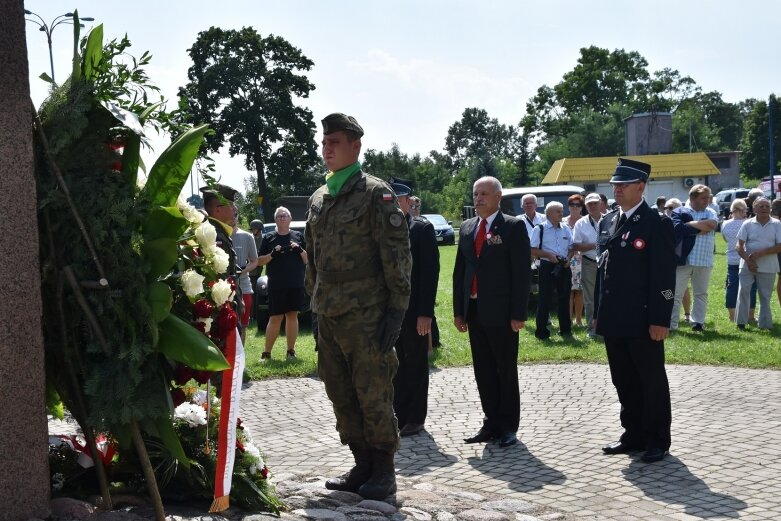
x: 226, y: 320
x: 203, y: 308
x: 182, y: 374
x: 240, y: 446
x: 178, y: 396
x: 202, y: 376
x: 264, y: 472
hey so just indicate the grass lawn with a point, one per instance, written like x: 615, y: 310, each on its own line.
x: 721, y: 344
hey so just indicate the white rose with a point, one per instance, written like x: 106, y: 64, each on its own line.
x: 219, y: 260
x: 190, y: 213
x: 221, y: 292
x: 206, y: 235
x: 192, y: 414
x: 192, y: 283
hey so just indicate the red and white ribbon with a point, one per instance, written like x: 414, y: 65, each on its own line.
x: 229, y: 413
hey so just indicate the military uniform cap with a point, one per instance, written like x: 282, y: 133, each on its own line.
x: 629, y: 171
x: 338, y: 121
x: 224, y: 190
x: 409, y: 182
x: 256, y: 224
x: 400, y: 189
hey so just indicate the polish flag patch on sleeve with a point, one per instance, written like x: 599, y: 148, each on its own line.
x: 387, y: 197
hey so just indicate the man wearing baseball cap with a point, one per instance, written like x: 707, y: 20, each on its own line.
x: 585, y: 241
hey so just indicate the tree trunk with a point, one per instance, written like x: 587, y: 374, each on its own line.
x: 266, y: 205
x: 149, y: 473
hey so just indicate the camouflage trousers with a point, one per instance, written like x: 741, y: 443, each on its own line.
x: 359, y: 379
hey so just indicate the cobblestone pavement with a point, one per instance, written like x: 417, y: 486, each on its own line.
x: 725, y: 462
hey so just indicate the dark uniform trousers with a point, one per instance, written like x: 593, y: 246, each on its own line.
x: 495, y: 361
x: 411, y: 382
x: 358, y: 378
x: 548, y: 283
x: 646, y: 415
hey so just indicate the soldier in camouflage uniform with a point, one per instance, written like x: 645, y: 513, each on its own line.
x: 359, y: 279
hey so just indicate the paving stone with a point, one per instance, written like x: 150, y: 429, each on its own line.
x: 378, y: 506
x: 478, y: 514
x: 68, y: 508
x: 320, y: 514
x: 508, y: 505
x: 415, y: 513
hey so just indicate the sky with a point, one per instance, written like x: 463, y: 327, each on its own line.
x: 407, y: 69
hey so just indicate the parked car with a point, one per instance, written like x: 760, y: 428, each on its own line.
x: 726, y: 197
x: 442, y: 227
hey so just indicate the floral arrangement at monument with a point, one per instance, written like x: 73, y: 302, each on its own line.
x: 137, y: 306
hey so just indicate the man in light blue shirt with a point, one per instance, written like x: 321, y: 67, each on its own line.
x: 551, y: 242
x: 699, y: 262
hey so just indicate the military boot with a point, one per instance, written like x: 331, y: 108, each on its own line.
x: 382, y: 482
x: 356, y: 476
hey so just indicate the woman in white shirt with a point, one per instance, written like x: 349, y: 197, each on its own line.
x: 729, y: 229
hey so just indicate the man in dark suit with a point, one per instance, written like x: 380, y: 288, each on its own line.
x: 410, y: 399
x: 490, y: 294
x: 634, y: 299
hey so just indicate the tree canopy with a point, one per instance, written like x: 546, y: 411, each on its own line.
x: 245, y: 86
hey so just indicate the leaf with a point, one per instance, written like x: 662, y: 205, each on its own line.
x: 171, y: 169
x: 93, y: 52
x: 164, y: 222
x: 160, y: 299
x: 131, y: 158
x: 148, y: 111
x: 161, y: 255
x: 181, y: 342
x: 125, y: 117
x: 45, y: 77
x: 164, y: 430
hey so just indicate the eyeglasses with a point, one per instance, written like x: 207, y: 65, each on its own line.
x: 414, y: 206
x: 282, y: 216
x: 575, y: 205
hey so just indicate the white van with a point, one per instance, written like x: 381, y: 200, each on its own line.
x: 511, y: 197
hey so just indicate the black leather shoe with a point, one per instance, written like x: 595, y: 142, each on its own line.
x: 620, y: 447
x: 410, y: 429
x: 507, y: 439
x: 653, y: 454
x: 482, y: 436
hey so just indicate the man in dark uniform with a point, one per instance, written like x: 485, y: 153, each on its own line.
x: 491, y: 279
x: 218, y: 203
x: 410, y: 385
x: 359, y: 278
x: 634, y: 299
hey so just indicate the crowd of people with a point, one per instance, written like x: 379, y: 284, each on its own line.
x: 370, y: 266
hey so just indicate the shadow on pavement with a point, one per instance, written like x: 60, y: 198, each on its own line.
x: 672, y: 482
x: 419, y: 454
x: 517, y: 466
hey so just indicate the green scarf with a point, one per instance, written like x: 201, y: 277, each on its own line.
x: 336, y: 180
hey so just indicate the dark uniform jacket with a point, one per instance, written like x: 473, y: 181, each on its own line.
x: 636, y: 277
x: 358, y: 247
x: 503, y: 271
x: 425, y: 268
x: 225, y: 243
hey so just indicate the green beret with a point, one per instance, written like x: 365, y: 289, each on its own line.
x: 224, y: 190
x: 338, y: 121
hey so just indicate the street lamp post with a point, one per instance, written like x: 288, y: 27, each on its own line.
x: 48, y: 29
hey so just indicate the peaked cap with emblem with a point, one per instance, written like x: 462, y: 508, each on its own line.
x: 400, y: 189
x: 407, y: 182
x: 630, y: 171
x: 224, y: 190
x: 338, y: 121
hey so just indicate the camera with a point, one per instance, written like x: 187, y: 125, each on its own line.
x: 561, y: 262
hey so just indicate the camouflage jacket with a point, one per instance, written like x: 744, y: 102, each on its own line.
x: 358, y: 247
